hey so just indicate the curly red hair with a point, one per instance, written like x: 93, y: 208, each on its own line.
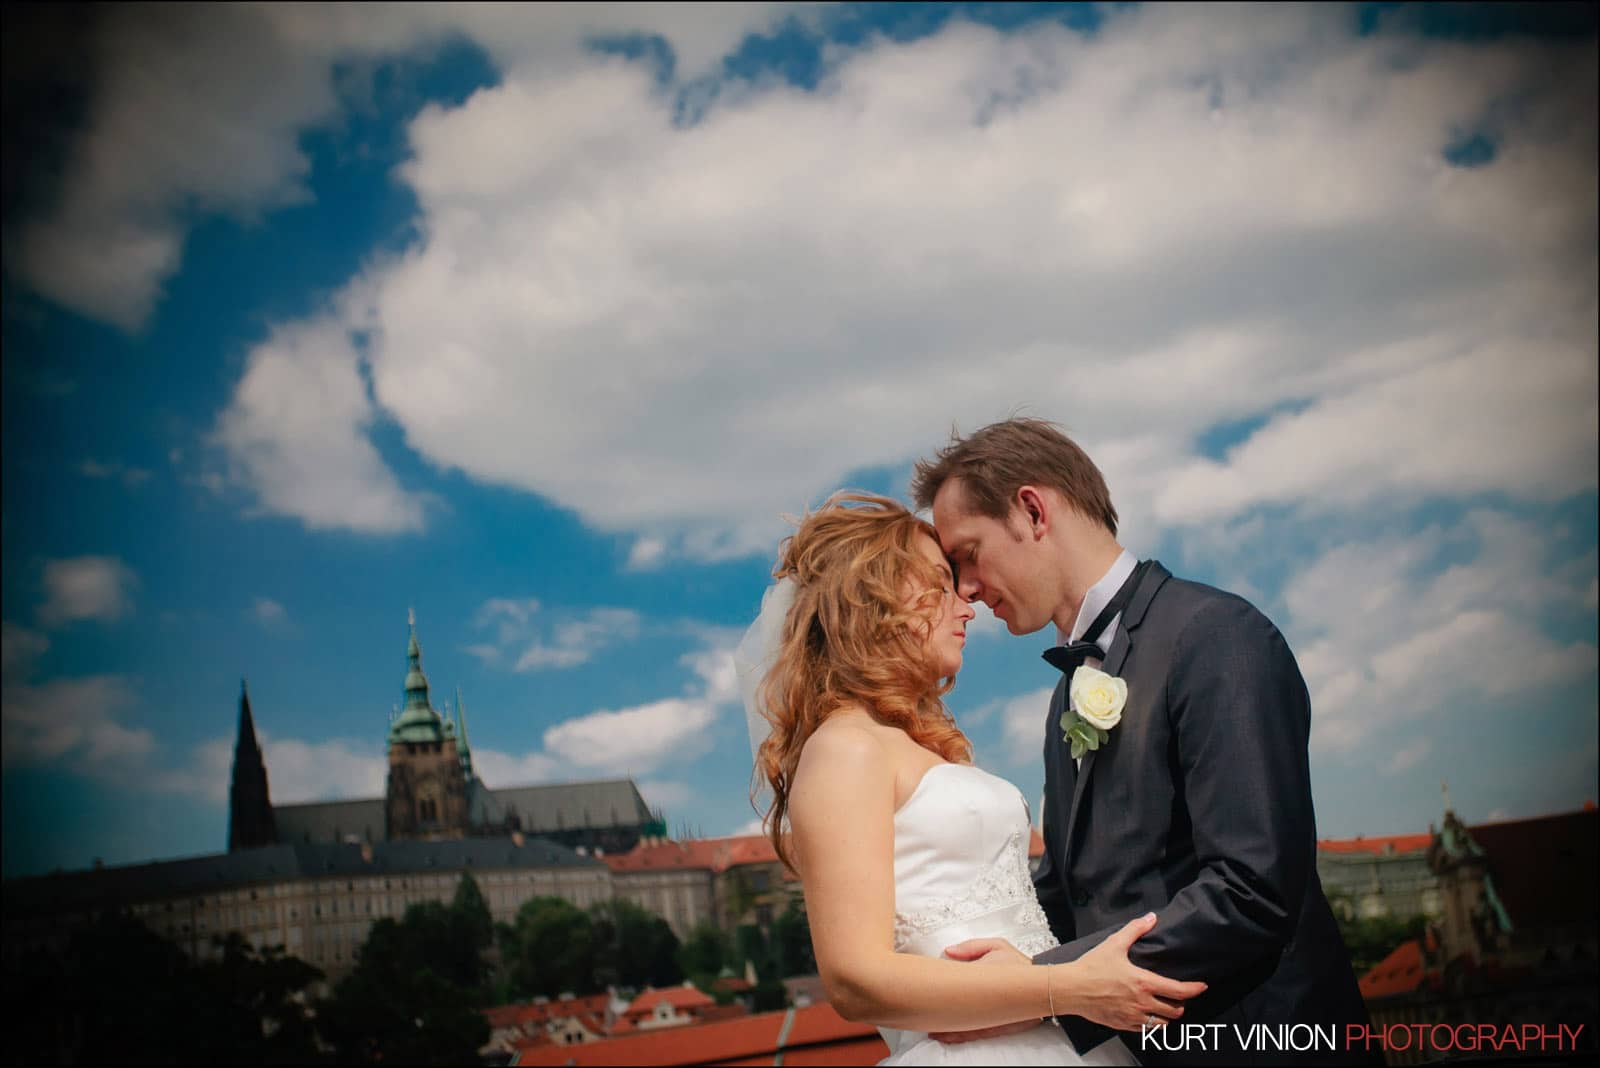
x: 850, y: 639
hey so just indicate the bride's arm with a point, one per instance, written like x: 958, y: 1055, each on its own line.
x: 841, y: 813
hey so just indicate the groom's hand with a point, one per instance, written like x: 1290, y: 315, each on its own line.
x: 986, y: 951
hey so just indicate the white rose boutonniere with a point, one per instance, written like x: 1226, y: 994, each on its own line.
x: 1095, y: 706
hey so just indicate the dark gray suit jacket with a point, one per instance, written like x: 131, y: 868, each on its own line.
x: 1198, y: 808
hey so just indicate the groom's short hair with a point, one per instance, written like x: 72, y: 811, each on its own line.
x: 995, y: 462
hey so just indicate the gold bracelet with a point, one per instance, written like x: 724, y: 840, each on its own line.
x: 1049, y: 992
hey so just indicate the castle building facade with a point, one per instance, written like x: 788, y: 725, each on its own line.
x: 434, y: 794
x: 313, y: 878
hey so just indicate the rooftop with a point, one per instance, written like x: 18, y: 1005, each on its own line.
x: 1381, y: 845
x: 816, y: 1035
x: 64, y: 891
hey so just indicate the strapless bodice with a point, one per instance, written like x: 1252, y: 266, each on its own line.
x: 961, y: 864
x: 960, y: 872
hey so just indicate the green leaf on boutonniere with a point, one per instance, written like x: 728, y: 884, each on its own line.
x: 1083, y: 736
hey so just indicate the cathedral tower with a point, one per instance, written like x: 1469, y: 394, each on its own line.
x: 250, y: 822
x: 427, y: 793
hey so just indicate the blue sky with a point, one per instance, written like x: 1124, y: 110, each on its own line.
x: 539, y: 320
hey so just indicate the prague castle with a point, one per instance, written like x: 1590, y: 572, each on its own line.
x: 433, y: 794
x: 313, y: 878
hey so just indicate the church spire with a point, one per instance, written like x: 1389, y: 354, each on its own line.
x: 250, y: 822
x: 461, y: 735
x: 417, y: 722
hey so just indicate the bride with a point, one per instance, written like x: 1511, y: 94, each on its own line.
x: 902, y: 845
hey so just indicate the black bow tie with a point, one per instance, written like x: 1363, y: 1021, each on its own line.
x: 1070, y: 657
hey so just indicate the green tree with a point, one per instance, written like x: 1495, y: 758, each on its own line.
x: 433, y: 936
x: 790, y: 944
x: 474, y: 922
x: 749, y: 944
x: 117, y: 983
x: 550, y: 949
x: 252, y: 1007
x: 413, y: 997
x: 768, y: 995
x: 1373, y: 938
x: 702, y: 956
x: 633, y: 946
x: 706, y: 950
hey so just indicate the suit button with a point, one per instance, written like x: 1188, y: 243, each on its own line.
x: 1079, y: 898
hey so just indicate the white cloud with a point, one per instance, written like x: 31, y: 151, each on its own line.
x: 86, y: 587
x: 269, y: 613
x: 1407, y: 757
x: 295, y: 435
x: 562, y: 640
x: 297, y: 771
x: 510, y: 769
x: 751, y: 826
x: 538, y: 657
x: 633, y: 740
x: 984, y: 624
x: 666, y: 795
x: 713, y: 665
x: 338, y: 768
x: 73, y: 722
x: 1387, y: 637
x: 199, y: 110
x: 1417, y: 433
x: 1023, y: 725
x: 131, y: 477
x: 20, y: 650
x: 647, y: 554
x: 79, y: 724
x: 514, y: 608
x: 487, y: 654
x: 576, y: 641
x: 680, y: 311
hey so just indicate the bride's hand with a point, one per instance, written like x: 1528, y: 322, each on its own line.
x: 1111, y: 990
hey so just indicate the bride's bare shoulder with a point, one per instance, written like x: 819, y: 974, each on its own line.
x: 847, y: 743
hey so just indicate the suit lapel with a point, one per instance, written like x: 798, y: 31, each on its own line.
x: 1116, y: 656
x: 1059, y: 764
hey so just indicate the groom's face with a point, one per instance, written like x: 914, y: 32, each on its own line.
x: 995, y: 560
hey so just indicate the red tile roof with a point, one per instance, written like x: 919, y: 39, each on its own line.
x: 747, y: 1036
x: 820, y: 1023
x: 665, y: 856
x: 860, y: 1051
x: 817, y: 1036
x: 505, y: 1015
x: 715, y: 855
x: 681, y: 998
x: 721, y: 1012
x: 520, y: 1015
x: 1380, y: 845
x: 1400, y: 972
x: 1523, y: 854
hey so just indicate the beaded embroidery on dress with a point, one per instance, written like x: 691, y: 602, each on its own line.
x: 960, y: 872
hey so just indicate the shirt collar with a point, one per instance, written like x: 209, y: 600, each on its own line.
x: 1098, y: 597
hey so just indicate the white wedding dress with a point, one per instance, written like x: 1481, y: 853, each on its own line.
x: 960, y: 872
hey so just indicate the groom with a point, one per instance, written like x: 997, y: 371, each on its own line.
x: 1196, y: 804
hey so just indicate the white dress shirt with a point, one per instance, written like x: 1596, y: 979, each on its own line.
x: 1097, y: 598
